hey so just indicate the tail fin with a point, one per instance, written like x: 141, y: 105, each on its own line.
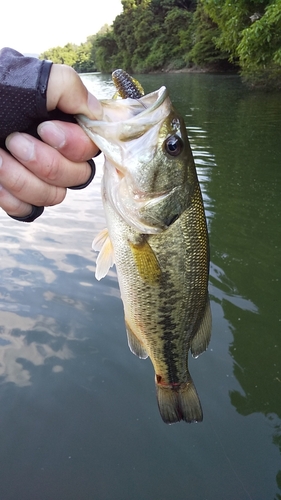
x: 179, y: 403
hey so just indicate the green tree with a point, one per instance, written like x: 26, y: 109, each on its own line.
x: 103, y: 51
x: 249, y: 31
x: 204, y: 50
x: 85, y: 59
x: 149, y: 34
x: 165, y: 5
x: 259, y: 49
x: 171, y: 34
x: 62, y: 55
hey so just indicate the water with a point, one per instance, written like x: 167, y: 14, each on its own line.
x: 78, y: 414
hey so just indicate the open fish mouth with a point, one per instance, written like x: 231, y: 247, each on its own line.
x: 124, y: 122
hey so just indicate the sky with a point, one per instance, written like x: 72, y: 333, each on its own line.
x: 31, y: 27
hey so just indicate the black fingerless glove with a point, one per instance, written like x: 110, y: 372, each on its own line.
x: 23, y: 92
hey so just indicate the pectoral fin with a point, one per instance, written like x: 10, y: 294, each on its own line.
x: 201, y: 339
x: 105, y: 260
x: 146, y: 261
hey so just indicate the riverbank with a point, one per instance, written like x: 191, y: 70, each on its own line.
x: 266, y: 81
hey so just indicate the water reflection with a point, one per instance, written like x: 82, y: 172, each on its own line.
x: 18, y: 351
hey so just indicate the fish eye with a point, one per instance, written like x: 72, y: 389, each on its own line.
x: 174, y: 145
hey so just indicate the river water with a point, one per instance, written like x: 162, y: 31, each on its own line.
x: 78, y: 413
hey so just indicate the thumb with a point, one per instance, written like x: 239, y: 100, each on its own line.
x: 67, y: 92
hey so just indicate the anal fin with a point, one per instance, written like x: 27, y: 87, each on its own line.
x: 202, y: 337
x: 135, y: 345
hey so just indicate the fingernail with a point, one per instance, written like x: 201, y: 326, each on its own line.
x: 20, y: 146
x: 94, y: 106
x: 52, y: 134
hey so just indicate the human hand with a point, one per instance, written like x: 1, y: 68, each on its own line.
x: 38, y: 173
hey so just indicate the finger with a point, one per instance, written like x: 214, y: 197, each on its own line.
x: 67, y: 92
x: 46, y: 163
x: 25, y: 186
x: 12, y: 205
x: 69, y: 139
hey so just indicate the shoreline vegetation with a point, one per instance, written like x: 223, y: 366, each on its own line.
x: 154, y: 36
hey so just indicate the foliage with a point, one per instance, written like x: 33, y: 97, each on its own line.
x: 154, y: 35
x: 103, y: 49
x: 204, y: 50
x: 149, y: 34
x: 80, y: 57
x: 260, y: 44
x: 166, y: 5
x: 61, y: 55
x: 250, y: 31
x: 84, y: 58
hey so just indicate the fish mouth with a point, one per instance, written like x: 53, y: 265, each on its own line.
x: 124, y: 120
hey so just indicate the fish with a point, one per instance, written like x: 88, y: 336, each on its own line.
x: 156, y: 236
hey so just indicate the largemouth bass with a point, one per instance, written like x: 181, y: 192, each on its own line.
x: 157, y: 237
